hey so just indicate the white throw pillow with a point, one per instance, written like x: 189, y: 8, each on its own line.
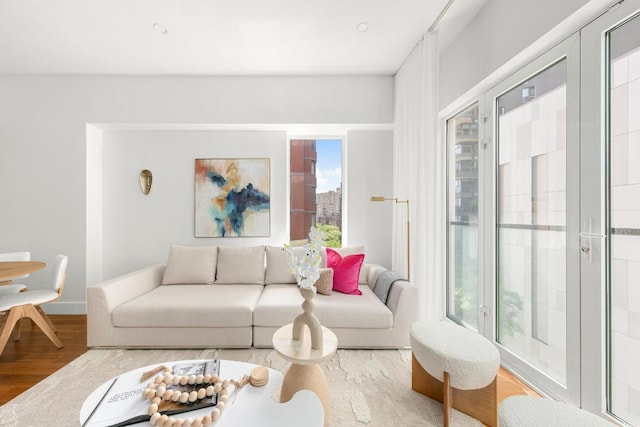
x: 277, y: 266
x: 240, y: 265
x: 191, y: 264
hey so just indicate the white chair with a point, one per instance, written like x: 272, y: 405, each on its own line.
x: 14, y: 256
x: 11, y: 289
x: 27, y: 304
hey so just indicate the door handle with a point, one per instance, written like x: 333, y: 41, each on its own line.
x: 587, y: 224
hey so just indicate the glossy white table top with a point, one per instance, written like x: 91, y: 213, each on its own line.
x: 250, y: 406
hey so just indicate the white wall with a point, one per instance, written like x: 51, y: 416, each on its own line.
x: 505, y: 30
x: 94, y: 221
x: 43, y: 142
x: 139, y: 229
x: 370, y: 173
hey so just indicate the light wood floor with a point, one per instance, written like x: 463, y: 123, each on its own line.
x: 26, y: 362
x: 508, y: 385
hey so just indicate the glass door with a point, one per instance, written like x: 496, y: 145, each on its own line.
x: 537, y: 323
x: 623, y: 124
x: 610, y: 236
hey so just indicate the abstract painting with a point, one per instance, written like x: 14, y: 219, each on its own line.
x: 232, y: 198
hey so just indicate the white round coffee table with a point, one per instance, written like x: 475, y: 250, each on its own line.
x: 305, y: 372
x: 249, y: 406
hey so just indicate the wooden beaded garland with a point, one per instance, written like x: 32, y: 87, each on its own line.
x: 157, y: 392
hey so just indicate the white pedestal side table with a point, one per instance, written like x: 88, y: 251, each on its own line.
x: 305, y: 372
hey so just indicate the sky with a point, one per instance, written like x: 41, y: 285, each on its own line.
x: 328, y: 165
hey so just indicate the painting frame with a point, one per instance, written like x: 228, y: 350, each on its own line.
x: 232, y: 197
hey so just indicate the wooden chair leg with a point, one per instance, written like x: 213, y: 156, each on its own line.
x: 16, y: 331
x: 43, y: 324
x: 15, y: 334
x: 46, y: 318
x: 8, y: 323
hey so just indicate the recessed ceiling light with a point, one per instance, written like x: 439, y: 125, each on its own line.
x: 363, y: 27
x: 160, y: 29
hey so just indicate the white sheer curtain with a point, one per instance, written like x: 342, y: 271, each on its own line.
x: 419, y: 168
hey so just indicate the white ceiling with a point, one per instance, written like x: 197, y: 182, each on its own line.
x: 215, y: 37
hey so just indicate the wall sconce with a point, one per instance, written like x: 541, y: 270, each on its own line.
x: 146, y: 179
x: 396, y: 201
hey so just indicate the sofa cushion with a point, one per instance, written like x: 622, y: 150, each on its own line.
x: 190, y: 306
x: 346, y: 271
x: 190, y: 264
x: 240, y: 265
x: 277, y: 266
x: 280, y: 304
x: 324, y: 284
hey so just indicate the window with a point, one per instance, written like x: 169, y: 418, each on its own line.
x: 559, y: 255
x: 462, y: 144
x: 316, y: 189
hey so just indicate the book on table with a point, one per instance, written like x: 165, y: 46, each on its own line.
x: 122, y: 404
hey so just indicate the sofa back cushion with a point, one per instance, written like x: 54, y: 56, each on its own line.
x: 277, y: 266
x: 240, y: 265
x: 191, y: 265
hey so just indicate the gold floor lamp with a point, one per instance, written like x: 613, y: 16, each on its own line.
x: 396, y: 201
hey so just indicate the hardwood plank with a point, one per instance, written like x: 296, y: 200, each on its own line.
x: 25, y: 363
x: 509, y: 385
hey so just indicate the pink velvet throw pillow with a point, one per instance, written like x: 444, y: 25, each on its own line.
x: 346, y: 271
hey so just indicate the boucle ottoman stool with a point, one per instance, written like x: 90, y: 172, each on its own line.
x: 531, y: 411
x: 457, y: 367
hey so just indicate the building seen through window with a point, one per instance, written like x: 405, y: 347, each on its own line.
x: 466, y: 167
x: 462, y: 149
x: 316, y: 189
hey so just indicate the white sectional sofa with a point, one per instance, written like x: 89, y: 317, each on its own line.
x: 223, y: 297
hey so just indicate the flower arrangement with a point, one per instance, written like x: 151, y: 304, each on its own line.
x: 305, y: 269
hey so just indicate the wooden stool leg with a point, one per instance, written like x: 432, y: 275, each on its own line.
x: 481, y: 404
x: 446, y: 400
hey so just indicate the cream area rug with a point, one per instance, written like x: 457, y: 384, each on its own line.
x: 369, y: 387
